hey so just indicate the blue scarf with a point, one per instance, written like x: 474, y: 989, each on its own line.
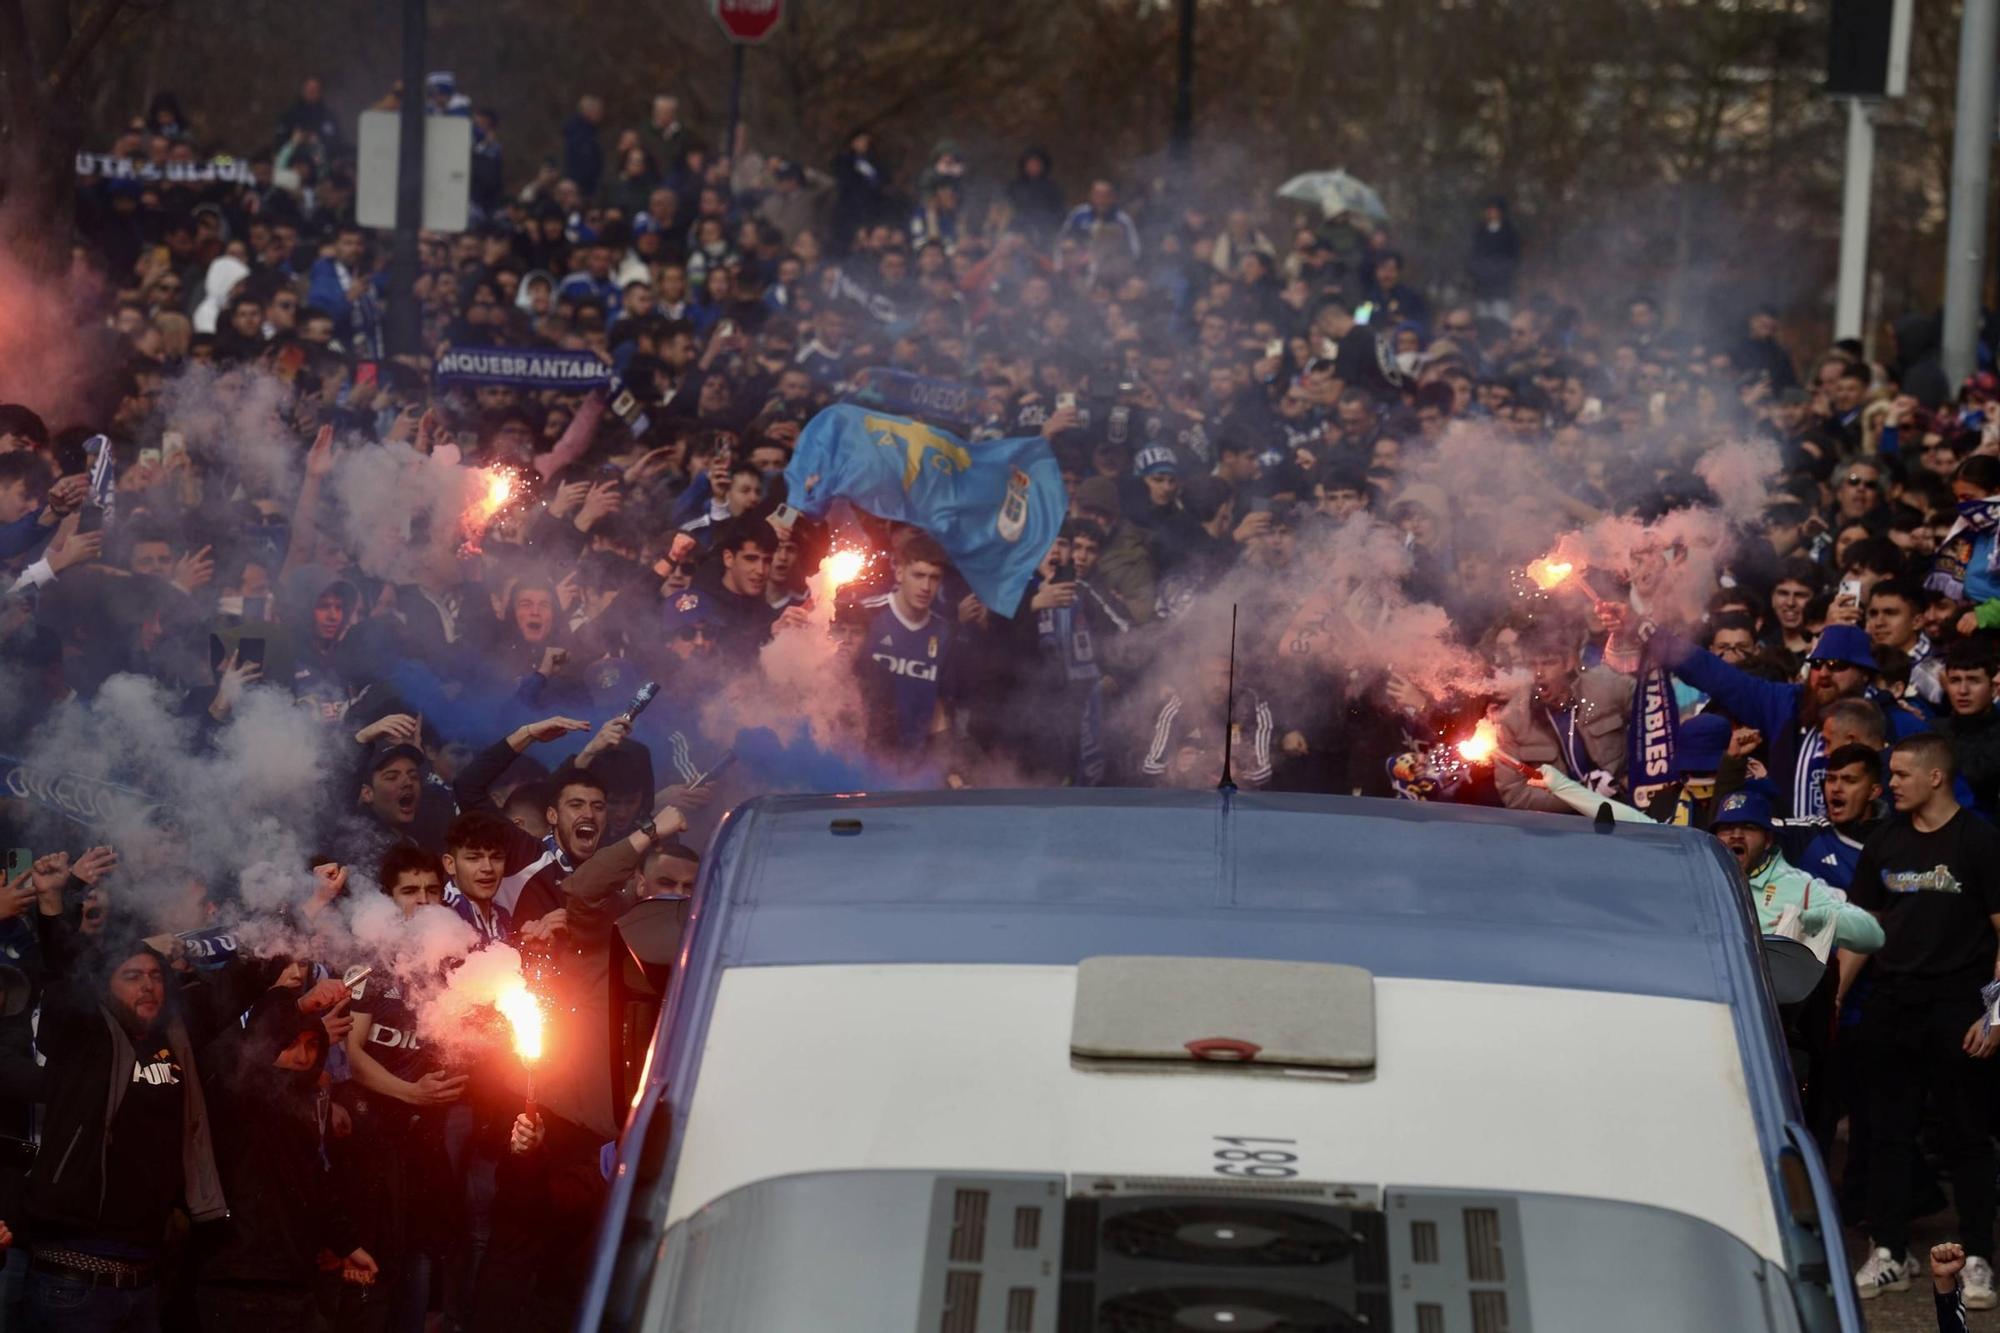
x: 1652, y: 735
x: 1976, y: 519
x: 523, y: 368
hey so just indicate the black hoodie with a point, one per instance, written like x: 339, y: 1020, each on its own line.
x: 1037, y: 201
x: 283, y: 1207
x: 1919, y: 359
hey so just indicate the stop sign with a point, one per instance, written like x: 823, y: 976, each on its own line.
x: 748, y: 21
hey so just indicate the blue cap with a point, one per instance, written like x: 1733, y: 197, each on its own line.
x: 1744, y: 807
x: 1843, y: 643
x: 689, y: 608
x: 1703, y: 741
x: 1154, y: 460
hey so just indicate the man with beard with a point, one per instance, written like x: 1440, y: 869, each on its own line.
x: 530, y: 885
x: 125, y: 1125
x: 1744, y: 825
x: 1840, y: 665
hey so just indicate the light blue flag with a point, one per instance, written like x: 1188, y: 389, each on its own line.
x: 995, y: 506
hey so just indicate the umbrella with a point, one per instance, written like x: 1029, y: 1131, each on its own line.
x: 1335, y: 192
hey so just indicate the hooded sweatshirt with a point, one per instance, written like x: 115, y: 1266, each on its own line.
x: 223, y: 275
x: 284, y: 1209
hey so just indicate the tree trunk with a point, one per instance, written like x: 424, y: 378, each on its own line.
x: 41, y: 127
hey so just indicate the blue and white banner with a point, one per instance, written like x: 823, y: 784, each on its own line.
x: 950, y: 402
x: 1652, y: 736
x: 210, y: 949
x: 86, y: 800
x: 523, y: 368
x: 995, y: 506
x: 235, y: 169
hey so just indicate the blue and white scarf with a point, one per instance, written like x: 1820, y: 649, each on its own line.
x: 1976, y: 518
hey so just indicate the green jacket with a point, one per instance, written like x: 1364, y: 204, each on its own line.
x: 1125, y: 565
x: 1778, y: 884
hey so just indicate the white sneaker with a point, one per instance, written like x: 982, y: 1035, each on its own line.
x: 1884, y: 1272
x: 1977, y: 1284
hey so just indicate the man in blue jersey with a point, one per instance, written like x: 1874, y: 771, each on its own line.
x: 1828, y: 846
x: 907, y: 662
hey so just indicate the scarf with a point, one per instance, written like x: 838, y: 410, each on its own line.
x: 1976, y: 518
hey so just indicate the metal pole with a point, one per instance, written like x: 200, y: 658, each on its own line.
x: 735, y: 100
x: 1183, y: 131
x: 1848, y: 319
x: 1971, y: 162
x: 404, y: 318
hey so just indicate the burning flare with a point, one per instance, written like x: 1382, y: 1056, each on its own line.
x: 1549, y: 572
x: 523, y: 1012
x: 837, y: 569
x: 495, y: 489
x: 1482, y: 745
x: 844, y: 567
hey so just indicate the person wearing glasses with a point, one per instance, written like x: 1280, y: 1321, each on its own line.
x: 1857, y: 491
x: 1839, y: 666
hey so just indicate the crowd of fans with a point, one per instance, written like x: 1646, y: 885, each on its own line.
x: 1253, y: 408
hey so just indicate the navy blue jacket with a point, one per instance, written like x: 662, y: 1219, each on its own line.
x: 1795, y: 754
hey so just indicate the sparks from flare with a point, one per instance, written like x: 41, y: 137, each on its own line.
x: 1483, y: 747
x: 496, y: 489
x: 1480, y: 747
x: 839, y: 568
x: 843, y: 567
x: 1549, y: 573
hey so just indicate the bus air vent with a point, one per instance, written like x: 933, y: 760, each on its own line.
x: 1164, y: 1014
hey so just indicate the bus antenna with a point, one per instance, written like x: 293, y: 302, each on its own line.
x: 1228, y: 782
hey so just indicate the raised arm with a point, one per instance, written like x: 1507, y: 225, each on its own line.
x: 575, y: 441
x: 1766, y: 705
x: 305, y: 513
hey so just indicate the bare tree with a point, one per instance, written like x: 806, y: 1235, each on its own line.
x: 44, y: 48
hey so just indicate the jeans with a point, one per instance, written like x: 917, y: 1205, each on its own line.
x: 58, y: 1304
x: 1905, y: 1047
x: 473, y: 1164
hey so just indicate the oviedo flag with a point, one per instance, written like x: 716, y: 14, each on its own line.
x: 995, y: 506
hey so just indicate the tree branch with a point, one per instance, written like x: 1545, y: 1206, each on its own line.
x: 96, y: 22
x: 17, y: 71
